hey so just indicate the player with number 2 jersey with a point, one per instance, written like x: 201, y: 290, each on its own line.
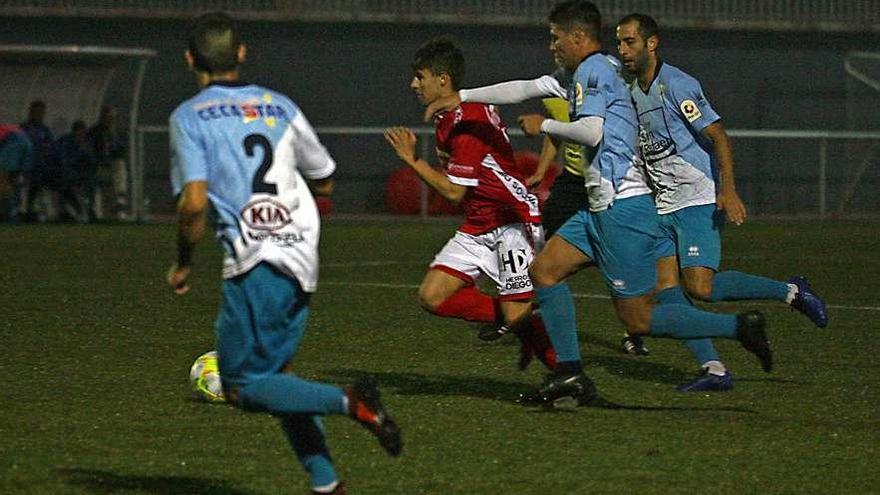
x: 253, y: 146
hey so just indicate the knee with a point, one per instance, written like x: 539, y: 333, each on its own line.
x: 701, y: 291
x: 541, y: 275
x: 636, y: 317
x: 430, y: 298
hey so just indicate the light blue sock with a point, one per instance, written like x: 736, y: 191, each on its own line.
x: 733, y: 286
x: 285, y: 394
x: 679, y: 321
x: 702, y: 349
x: 305, y: 433
x: 558, y: 313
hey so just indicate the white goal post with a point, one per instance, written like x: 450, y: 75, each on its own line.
x: 73, y: 81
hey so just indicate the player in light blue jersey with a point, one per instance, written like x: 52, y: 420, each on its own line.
x: 247, y: 155
x: 618, y: 229
x: 690, y: 164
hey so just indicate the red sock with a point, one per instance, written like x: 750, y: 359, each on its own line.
x: 537, y: 339
x: 470, y: 304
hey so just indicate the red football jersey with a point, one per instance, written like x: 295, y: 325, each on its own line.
x: 475, y: 151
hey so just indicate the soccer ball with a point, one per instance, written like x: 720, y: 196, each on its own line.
x: 204, y: 378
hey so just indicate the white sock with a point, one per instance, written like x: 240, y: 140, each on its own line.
x: 326, y: 488
x: 715, y: 367
x: 792, y: 291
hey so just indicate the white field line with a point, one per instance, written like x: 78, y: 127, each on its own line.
x: 576, y: 295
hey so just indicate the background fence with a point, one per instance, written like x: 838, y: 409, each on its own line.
x: 842, y: 15
x: 788, y: 173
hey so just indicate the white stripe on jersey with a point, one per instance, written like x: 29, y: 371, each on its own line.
x: 283, y: 229
x: 516, y: 188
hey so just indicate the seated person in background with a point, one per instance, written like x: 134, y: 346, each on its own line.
x: 15, y: 158
x: 110, y: 177
x: 69, y: 161
x: 41, y: 138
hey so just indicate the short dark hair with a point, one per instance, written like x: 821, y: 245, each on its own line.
x: 572, y: 14
x: 38, y: 104
x: 440, y: 55
x: 214, y: 42
x: 78, y: 125
x: 647, y: 25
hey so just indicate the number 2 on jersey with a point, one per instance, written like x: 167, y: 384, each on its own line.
x: 259, y: 185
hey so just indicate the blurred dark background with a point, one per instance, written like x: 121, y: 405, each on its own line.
x: 758, y: 74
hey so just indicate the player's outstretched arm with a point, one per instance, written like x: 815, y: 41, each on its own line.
x: 548, y: 154
x: 727, y: 197
x: 442, y: 104
x: 403, y: 140
x: 498, y: 94
x: 191, y: 224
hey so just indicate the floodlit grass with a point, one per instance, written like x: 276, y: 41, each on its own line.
x: 96, y: 352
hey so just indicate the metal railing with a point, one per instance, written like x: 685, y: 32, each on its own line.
x: 835, y: 15
x: 808, y: 180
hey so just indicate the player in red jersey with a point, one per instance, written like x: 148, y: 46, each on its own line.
x: 501, y: 231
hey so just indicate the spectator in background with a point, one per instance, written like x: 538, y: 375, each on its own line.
x: 109, y: 176
x: 15, y: 158
x: 68, y: 161
x: 41, y: 138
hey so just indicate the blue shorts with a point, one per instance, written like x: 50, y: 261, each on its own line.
x: 694, y: 234
x: 622, y: 240
x: 261, y: 323
x: 576, y: 231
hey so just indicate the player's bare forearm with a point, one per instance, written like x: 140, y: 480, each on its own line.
x: 191, y: 225
x: 723, y: 152
x: 548, y: 153
x: 403, y: 141
x: 191, y: 219
x: 728, y: 199
x: 437, y: 180
x: 190, y: 230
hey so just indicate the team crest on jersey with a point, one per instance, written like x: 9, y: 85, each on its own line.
x: 265, y: 214
x: 578, y: 94
x: 252, y: 112
x: 690, y: 110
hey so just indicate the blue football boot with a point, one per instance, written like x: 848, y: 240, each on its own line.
x: 808, y: 302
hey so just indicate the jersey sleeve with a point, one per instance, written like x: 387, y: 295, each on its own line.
x: 188, y: 163
x: 467, y: 151
x: 591, y: 89
x: 687, y: 96
x: 312, y: 158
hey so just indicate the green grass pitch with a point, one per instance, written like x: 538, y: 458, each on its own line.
x: 96, y: 352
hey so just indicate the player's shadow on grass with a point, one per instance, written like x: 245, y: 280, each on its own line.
x: 434, y: 384
x: 641, y: 368
x: 100, y: 481
x: 484, y: 388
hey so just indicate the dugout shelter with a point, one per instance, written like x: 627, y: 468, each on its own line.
x: 74, y: 80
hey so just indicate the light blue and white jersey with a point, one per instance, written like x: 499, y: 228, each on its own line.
x: 614, y: 172
x: 253, y: 146
x: 672, y: 115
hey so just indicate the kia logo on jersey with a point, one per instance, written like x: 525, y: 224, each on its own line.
x: 265, y: 214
